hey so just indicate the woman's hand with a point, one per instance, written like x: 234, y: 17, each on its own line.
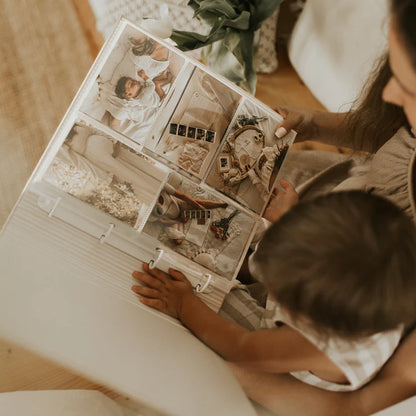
x: 281, y: 201
x: 299, y: 120
x: 166, y: 293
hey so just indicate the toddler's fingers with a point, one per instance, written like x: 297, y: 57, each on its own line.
x: 153, y: 303
x: 177, y: 275
x: 275, y: 193
x: 148, y: 280
x: 287, y: 186
x: 146, y: 291
x: 136, y: 274
x: 156, y: 273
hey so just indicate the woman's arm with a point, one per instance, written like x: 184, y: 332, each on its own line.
x: 321, y: 126
x: 161, y: 80
x: 289, y: 397
x: 161, y: 53
x: 166, y: 77
x: 159, y: 91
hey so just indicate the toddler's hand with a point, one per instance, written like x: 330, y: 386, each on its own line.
x: 166, y: 293
x: 281, y: 201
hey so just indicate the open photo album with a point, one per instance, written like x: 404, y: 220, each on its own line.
x: 163, y: 160
x: 157, y: 160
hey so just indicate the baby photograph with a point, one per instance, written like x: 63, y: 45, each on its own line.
x: 197, y: 126
x: 133, y: 84
x: 250, y: 158
x: 199, y: 226
x: 106, y: 174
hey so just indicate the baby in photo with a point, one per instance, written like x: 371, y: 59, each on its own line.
x: 133, y: 84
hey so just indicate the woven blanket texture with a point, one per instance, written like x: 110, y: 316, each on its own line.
x: 44, y: 57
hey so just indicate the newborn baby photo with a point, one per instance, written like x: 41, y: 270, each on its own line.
x: 133, y: 84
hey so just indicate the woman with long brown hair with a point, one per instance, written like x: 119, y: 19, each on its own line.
x: 384, y: 124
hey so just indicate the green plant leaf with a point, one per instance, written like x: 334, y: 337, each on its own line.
x: 264, y: 9
x: 230, y: 40
x: 233, y: 58
x: 217, y: 7
x: 188, y: 41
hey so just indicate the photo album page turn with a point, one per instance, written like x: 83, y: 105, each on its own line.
x: 164, y: 146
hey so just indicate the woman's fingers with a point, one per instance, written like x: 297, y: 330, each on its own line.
x: 281, y: 131
x: 293, y: 119
x: 291, y: 122
x: 281, y: 110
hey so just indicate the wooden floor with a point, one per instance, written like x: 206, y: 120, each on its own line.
x: 23, y: 370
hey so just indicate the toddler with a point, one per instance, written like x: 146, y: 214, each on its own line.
x: 341, y: 276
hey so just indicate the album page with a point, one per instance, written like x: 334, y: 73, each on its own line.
x: 164, y: 160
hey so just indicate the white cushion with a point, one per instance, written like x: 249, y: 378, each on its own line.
x: 334, y: 46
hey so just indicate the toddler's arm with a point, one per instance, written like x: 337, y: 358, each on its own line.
x: 281, y: 201
x: 287, y: 396
x: 279, y: 350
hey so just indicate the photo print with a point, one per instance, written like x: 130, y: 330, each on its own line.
x: 133, y: 84
x: 106, y: 174
x: 198, y: 124
x: 199, y: 226
x: 250, y: 158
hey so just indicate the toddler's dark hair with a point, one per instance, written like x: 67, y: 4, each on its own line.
x: 345, y: 261
x: 120, y: 89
